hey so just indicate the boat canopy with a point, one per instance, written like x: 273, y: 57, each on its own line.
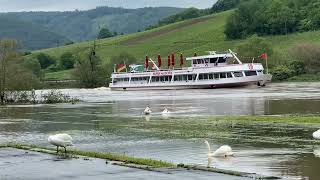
x: 225, y: 56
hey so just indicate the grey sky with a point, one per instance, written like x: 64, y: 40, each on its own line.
x: 64, y: 5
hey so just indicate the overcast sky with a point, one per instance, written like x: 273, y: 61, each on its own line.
x: 64, y: 5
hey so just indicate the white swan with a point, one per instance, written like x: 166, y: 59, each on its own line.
x: 223, y: 151
x: 147, y: 111
x: 165, y: 111
x: 61, y: 140
x: 316, y: 134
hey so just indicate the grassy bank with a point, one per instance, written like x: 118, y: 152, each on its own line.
x: 108, y: 156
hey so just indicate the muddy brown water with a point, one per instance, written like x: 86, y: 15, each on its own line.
x: 104, y: 122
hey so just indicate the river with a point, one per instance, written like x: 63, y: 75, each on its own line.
x: 112, y: 121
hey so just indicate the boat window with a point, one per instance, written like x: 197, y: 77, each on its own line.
x: 223, y: 75
x: 250, y: 73
x: 194, y: 61
x: 184, y: 77
x: 206, y: 61
x: 199, y: 61
x: 229, y: 75
x: 210, y: 76
x: 200, y: 76
x: 205, y: 76
x: 190, y: 77
x: 155, y: 79
x: 216, y: 76
x: 222, y: 59
x: 213, y: 60
x: 237, y: 74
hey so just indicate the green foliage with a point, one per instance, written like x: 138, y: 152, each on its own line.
x: 223, y: 5
x: 253, y: 48
x: 281, y: 73
x: 308, y: 54
x: 45, y: 60
x: 67, y: 60
x: 89, y: 71
x: 33, y: 65
x: 104, y: 33
x: 13, y: 75
x: 189, y: 13
x: 297, y: 67
x: 270, y: 17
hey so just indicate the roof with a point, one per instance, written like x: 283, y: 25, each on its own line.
x: 210, y: 56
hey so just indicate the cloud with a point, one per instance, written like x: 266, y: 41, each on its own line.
x: 65, y: 5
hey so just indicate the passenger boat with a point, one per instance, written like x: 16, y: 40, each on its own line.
x: 215, y: 70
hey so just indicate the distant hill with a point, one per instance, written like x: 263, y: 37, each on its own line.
x: 84, y: 25
x: 30, y: 36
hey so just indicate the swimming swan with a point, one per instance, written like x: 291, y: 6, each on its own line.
x: 316, y: 134
x: 61, y: 140
x: 147, y: 111
x: 223, y: 151
x: 165, y: 111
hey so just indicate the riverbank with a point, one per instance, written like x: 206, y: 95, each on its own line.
x: 34, y: 162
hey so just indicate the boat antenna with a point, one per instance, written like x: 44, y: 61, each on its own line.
x: 234, y: 55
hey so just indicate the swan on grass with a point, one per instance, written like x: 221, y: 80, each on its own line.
x: 223, y: 151
x: 147, y: 111
x: 61, y: 140
x: 316, y: 134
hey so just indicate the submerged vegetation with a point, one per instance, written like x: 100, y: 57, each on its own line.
x: 30, y: 97
x: 108, y: 156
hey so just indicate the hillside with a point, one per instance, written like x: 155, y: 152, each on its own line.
x: 29, y: 35
x: 196, y: 35
x: 85, y: 25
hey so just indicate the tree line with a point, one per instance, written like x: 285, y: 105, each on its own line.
x: 273, y: 17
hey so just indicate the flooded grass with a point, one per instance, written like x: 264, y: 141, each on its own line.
x: 108, y: 156
x: 272, y: 119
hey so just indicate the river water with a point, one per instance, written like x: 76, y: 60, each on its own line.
x: 112, y: 121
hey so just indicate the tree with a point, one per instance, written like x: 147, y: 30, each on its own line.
x: 67, y: 60
x: 13, y: 75
x: 104, y: 33
x: 8, y: 49
x: 89, y: 70
x: 45, y: 60
x: 34, y: 66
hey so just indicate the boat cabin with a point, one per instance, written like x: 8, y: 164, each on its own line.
x: 211, y: 60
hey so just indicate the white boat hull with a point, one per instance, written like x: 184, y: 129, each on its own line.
x: 222, y: 83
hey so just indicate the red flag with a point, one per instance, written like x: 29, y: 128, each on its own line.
x: 172, y: 59
x: 121, y: 67
x: 181, y: 59
x: 159, y: 61
x: 264, y: 56
x: 147, y: 62
x: 169, y: 64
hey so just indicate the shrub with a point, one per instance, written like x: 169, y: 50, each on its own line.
x: 297, y: 67
x: 45, y: 60
x: 309, y: 55
x: 281, y: 73
x: 67, y: 60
